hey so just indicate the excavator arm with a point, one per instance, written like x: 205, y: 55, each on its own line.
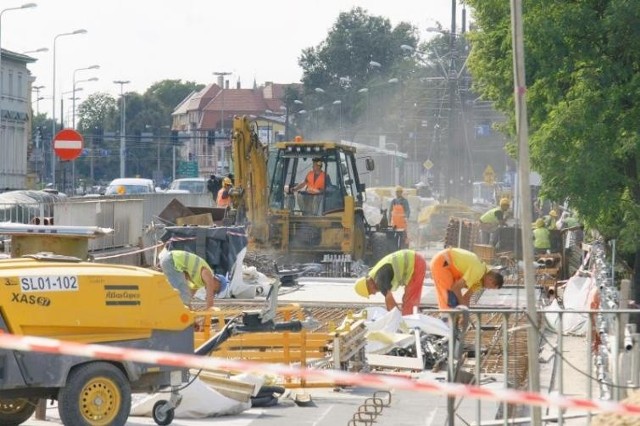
x: 250, y: 190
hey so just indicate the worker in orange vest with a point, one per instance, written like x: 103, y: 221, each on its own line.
x: 399, y: 211
x: 224, y: 199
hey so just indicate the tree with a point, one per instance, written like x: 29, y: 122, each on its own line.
x: 340, y: 65
x: 583, y: 81
x: 171, y: 92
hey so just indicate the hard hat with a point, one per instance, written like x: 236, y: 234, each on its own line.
x: 504, y: 202
x: 361, y: 287
x: 553, y: 213
x: 399, y: 190
x: 540, y: 223
x: 226, y: 181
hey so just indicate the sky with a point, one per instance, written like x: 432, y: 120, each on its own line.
x: 147, y: 41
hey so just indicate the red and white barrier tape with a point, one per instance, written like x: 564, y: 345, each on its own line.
x: 128, y: 253
x: 52, y: 346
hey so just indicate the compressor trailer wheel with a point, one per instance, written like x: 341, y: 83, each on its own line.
x: 96, y: 394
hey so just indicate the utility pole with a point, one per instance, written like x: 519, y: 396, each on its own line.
x: 452, y: 161
x: 123, y: 143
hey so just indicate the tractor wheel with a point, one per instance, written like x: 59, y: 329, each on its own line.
x: 359, y: 239
x: 14, y: 412
x: 96, y: 394
x: 162, y: 416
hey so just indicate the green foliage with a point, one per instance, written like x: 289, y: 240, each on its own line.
x: 340, y: 64
x: 583, y: 77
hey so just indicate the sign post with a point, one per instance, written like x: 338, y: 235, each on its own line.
x: 67, y: 144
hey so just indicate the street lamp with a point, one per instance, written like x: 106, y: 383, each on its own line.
x: 395, y: 161
x: 38, y: 98
x: 53, y: 97
x: 41, y: 50
x: 339, y: 103
x: 92, y: 67
x: 123, y: 144
x: 73, y: 121
x: 24, y: 6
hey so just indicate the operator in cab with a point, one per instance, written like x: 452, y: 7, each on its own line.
x: 314, y: 185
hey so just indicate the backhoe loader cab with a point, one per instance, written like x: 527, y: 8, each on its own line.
x: 294, y: 222
x: 337, y: 164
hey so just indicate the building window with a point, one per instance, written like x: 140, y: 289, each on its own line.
x: 20, y: 87
x: 10, y: 84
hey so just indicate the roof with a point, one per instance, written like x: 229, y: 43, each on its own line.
x: 17, y: 57
x: 236, y: 102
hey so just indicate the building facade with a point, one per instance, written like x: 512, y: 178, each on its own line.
x: 15, y: 119
x: 203, y: 121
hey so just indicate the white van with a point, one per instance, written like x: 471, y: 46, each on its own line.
x: 129, y: 186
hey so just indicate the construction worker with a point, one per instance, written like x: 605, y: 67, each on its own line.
x: 541, y: 237
x: 314, y: 186
x: 399, y: 211
x: 492, y: 220
x: 403, y: 268
x: 550, y: 219
x: 456, y: 269
x: 223, y: 200
x: 188, y: 272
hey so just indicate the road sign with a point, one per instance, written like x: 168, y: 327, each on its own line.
x: 489, y: 175
x: 67, y: 144
x: 428, y: 164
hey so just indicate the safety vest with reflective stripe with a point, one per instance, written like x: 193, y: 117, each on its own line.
x: 402, y: 262
x: 192, y: 264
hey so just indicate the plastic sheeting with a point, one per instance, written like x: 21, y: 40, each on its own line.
x: 577, y: 296
x: 198, y: 401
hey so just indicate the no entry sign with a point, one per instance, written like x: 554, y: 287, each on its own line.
x: 67, y: 144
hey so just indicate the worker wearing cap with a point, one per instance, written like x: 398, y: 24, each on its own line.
x: 541, y: 237
x: 403, y: 268
x: 188, y: 272
x: 399, y: 210
x: 492, y: 220
x: 224, y: 199
x: 314, y: 185
x: 456, y: 269
x: 551, y: 219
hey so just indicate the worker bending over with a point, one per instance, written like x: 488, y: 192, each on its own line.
x: 493, y: 219
x: 188, y: 272
x: 454, y: 270
x: 403, y: 268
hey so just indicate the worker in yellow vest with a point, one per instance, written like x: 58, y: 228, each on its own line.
x: 403, y: 268
x: 188, y: 272
x: 454, y: 270
x: 492, y: 220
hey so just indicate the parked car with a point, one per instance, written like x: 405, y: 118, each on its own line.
x: 129, y: 186
x: 188, y: 186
